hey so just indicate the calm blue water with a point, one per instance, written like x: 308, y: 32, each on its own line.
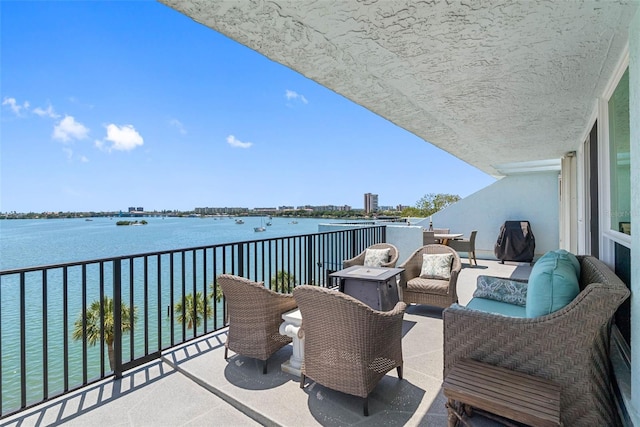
x: 30, y: 243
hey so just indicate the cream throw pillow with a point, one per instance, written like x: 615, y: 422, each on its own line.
x: 436, y: 266
x: 376, y: 257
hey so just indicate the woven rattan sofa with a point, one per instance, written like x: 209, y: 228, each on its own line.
x: 437, y: 292
x: 359, y: 260
x: 569, y: 346
x: 255, y: 315
x: 348, y: 345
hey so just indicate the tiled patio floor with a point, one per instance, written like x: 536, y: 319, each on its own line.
x: 193, y: 385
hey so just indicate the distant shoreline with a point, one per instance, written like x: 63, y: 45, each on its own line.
x: 346, y: 215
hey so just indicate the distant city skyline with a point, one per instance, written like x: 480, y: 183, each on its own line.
x: 105, y: 103
x: 229, y: 209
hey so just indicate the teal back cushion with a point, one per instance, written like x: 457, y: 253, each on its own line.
x: 571, y: 258
x: 553, y: 283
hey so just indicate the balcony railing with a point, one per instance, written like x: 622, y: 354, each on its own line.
x: 65, y: 326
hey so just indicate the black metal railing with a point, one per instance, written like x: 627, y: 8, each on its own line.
x: 65, y: 326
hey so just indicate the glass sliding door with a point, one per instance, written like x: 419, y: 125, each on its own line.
x: 619, y: 156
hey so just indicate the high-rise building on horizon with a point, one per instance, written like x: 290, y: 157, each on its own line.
x: 370, y: 203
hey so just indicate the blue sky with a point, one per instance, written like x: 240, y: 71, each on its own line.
x: 107, y: 105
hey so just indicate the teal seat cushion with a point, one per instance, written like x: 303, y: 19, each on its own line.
x: 553, y: 283
x: 498, y: 307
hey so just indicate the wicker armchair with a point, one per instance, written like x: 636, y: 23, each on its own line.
x: 255, y: 314
x: 436, y: 292
x: 569, y: 346
x: 359, y: 260
x: 348, y: 346
x: 468, y: 246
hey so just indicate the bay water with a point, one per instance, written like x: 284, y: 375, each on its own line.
x: 39, y: 242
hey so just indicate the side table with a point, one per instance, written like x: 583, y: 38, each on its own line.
x: 291, y: 328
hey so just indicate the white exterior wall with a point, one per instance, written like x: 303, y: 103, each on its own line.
x: 405, y: 239
x: 634, y: 112
x: 532, y: 197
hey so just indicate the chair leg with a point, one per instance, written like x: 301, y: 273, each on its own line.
x: 366, y: 406
x: 226, y: 349
x: 302, y: 378
x: 264, y: 367
x: 399, y: 369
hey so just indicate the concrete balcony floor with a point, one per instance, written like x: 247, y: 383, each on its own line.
x: 193, y: 385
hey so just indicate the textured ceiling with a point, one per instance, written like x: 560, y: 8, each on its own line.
x: 491, y: 82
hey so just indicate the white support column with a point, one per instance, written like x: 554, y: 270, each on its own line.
x: 568, y: 204
x: 291, y: 328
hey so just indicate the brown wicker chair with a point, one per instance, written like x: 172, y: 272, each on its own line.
x: 359, y: 260
x: 436, y: 292
x: 569, y: 346
x: 255, y: 314
x: 348, y: 345
x: 468, y: 246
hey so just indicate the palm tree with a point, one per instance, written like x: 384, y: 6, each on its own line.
x: 93, y: 327
x: 283, y: 282
x: 218, y: 294
x: 190, y: 316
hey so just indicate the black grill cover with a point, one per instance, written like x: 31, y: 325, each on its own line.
x: 515, y: 242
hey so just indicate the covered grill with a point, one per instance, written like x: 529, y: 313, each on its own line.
x: 515, y: 242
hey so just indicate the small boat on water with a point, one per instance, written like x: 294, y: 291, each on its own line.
x: 269, y: 223
x: 293, y: 222
x: 239, y: 221
x: 261, y: 228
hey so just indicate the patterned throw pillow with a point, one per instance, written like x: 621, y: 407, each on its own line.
x: 376, y: 257
x: 436, y: 266
x: 503, y: 290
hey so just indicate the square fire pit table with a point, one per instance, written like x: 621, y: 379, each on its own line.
x: 375, y: 286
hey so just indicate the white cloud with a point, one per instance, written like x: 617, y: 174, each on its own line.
x: 232, y: 141
x: 178, y: 125
x: 292, y: 95
x: 68, y: 129
x: 84, y: 159
x: 122, y: 138
x: 15, y: 107
x: 49, y: 112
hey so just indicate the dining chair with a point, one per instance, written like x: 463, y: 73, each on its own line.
x: 427, y: 237
x: 439, y: 231
x: 466, y: 245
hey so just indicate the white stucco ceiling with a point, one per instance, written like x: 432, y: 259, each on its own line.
x: 492, y: 82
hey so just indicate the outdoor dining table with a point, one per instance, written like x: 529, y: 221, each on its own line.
x: 444, y: 238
